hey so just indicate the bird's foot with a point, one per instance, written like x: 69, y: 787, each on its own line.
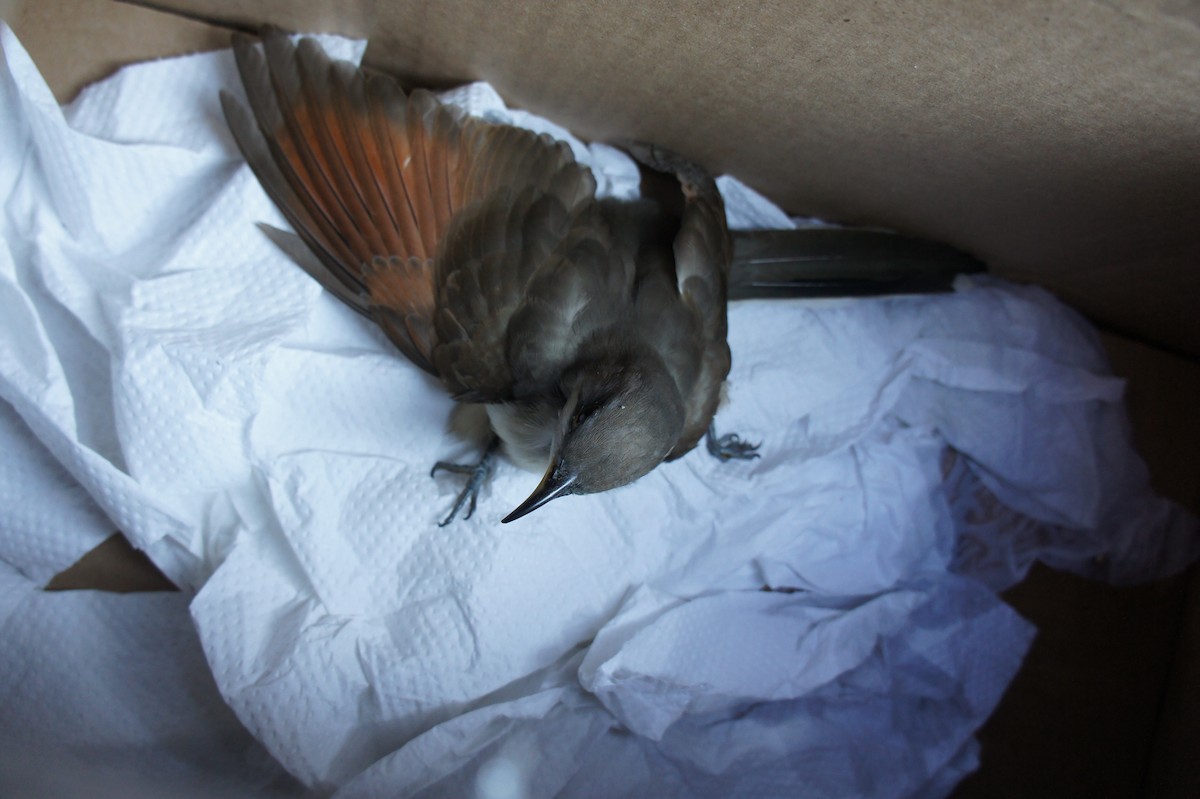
x: 477, y: 474
x: 729, y: 446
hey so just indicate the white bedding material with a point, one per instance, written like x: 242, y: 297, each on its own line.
x: 270, y: 451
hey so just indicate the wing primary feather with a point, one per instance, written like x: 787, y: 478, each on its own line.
x: 300, y: 251
x: 387, y: 106
x: 272, y: 121
x: 352, y: 120
x: 437, y: 166
x: 416, y: 171
x: 309, y: 167
x: 265, y: 163
x: 319, y: 105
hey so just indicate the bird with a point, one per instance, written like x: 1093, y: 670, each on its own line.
x: 591, y: 332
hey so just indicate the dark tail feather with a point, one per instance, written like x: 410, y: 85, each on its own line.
x: 834, y: 262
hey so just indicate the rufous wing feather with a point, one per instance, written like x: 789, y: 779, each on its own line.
x: 374, y: 180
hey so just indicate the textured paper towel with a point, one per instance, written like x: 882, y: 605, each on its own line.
x: 109, y: 696
x: 102, y: 695
x: 270, y: 451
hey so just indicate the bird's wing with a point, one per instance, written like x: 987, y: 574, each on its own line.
x: 373, y: 180
x: 682, y: 305
x: 703, y: 251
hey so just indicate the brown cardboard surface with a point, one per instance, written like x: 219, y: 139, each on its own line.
x: 1060, y: 142
x: 1162, y: 395
x: 1080, y: 720
x: 1174, y: 771
x: 76, y: 42
x: 113, y: 566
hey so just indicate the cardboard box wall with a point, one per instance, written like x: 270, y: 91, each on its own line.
x: 1059, y: 142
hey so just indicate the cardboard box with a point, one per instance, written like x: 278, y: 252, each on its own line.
x: 1059, y: 143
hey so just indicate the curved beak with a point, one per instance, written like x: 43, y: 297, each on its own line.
x: 556, y: 483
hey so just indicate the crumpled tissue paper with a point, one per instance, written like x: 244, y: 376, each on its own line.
x: 822, y: 621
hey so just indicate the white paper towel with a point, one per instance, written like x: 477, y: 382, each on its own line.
x: 270, y: 451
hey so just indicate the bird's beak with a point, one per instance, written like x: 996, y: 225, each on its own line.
x: 556, y: 483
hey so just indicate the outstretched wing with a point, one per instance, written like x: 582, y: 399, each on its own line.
x: 373, y: 181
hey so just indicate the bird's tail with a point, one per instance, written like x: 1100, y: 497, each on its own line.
x: 823, y: 262
x: 836, y: 262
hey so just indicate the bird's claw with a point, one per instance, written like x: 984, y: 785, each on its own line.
x: 478, y: 474
x: 729, y: 446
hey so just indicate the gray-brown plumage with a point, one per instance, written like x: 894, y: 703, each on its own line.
x: 593, y: 332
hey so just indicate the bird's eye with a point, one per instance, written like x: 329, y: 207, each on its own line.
x: 583, y: 412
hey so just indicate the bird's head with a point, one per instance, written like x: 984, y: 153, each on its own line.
x: 621, y: 418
